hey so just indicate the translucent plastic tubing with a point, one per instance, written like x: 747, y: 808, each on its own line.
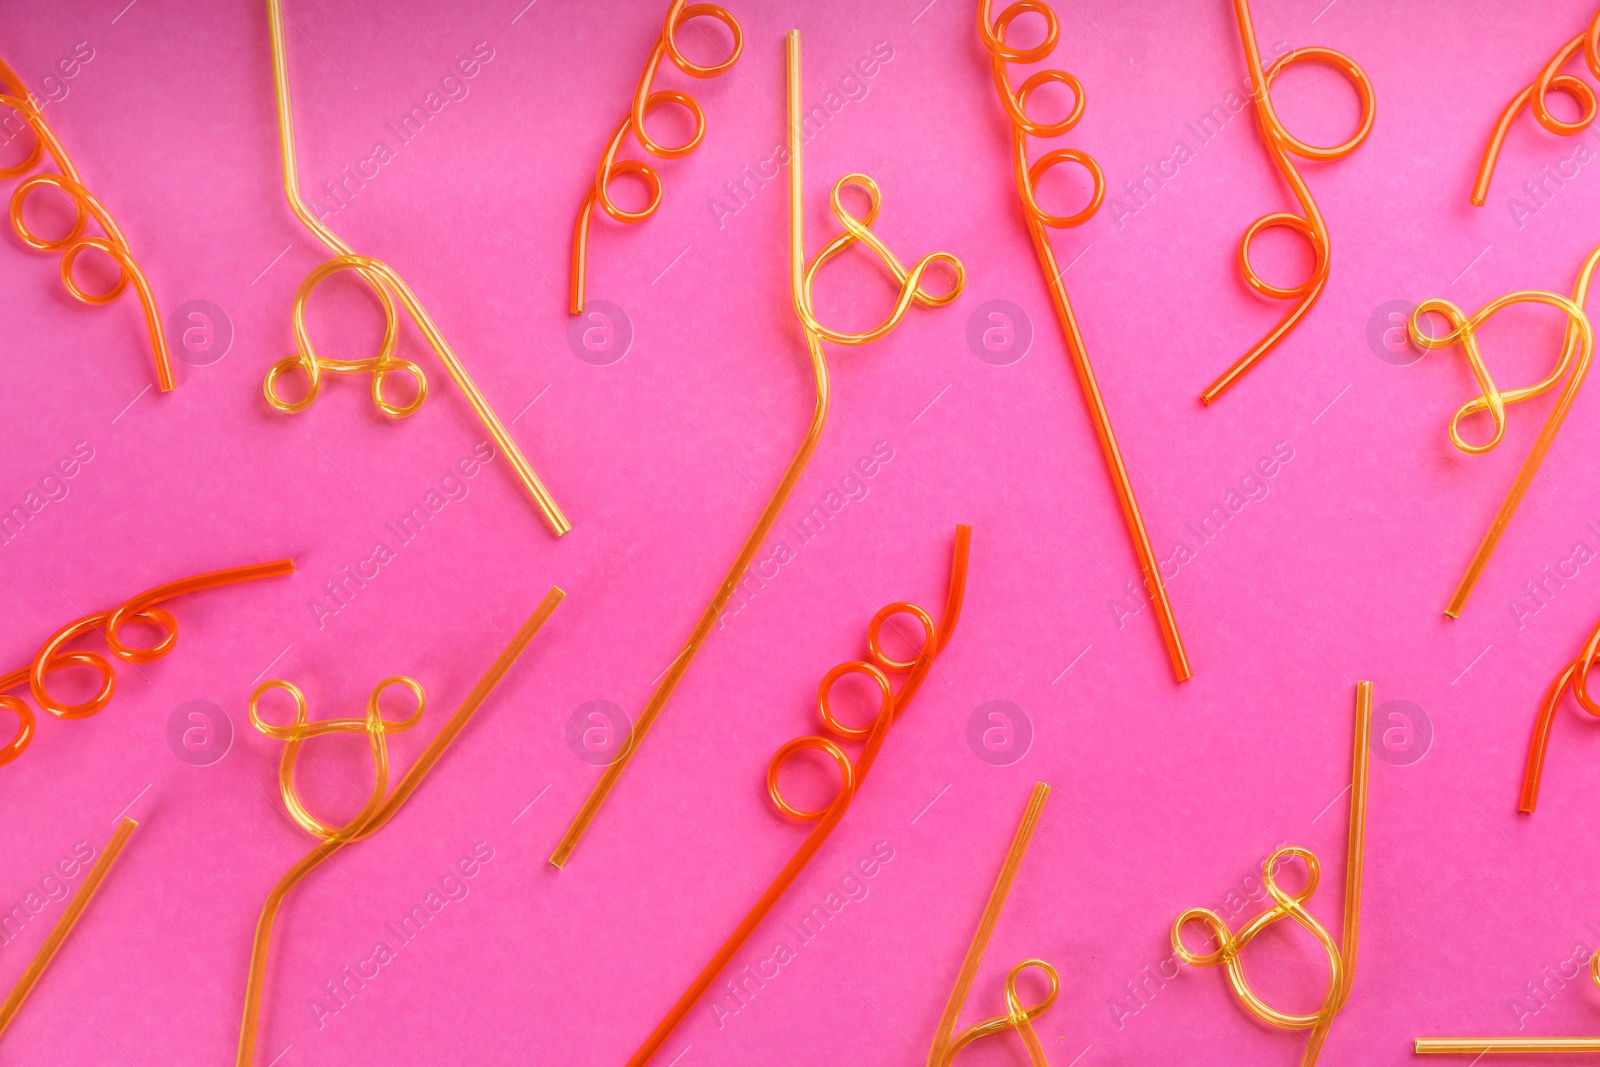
x: 381, y: 805
x: 1536, y: 96
x: 852, y: 775
x: 85, y: 206
x: 992, y: 32
x: 802, y: 276
x: 1483, y: 1046
x: 388, y: 287
x: 69, y: 919
x: 1282, y: 146
x: 53, y: 656
x: 1018, y: 1017
x: 644, y: 102
x: 1576, y: 351
x: 1575, y: 676
x: 1287, y: 905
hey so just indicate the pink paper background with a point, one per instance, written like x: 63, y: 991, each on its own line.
x: 1165, y: 797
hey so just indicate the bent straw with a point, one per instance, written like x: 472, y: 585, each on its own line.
x: 1341, y: 956
x: 69, y: 919
x: 946, y: 1042
x: 85, y: 206
x: 1001, y: 54
x: 851, y: 775
x: 386, y: 285
x: 1577, y: 351
x: 1576, y: 674
x: 1536, y: 96
x: 142, y: 608
x: 801, y: 277
x: 1281, y: 145
x: 378, y: 810
x: 644, y: 102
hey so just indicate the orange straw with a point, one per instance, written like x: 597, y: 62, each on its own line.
x: 802, y: 275
x: 644, y: 102
x: 878, y: 666
x: 1537, y: 95
x: 69, y: 919
x: 1281, y: 146
x: 142, y: 608
x: 993, y: 35
x: 1575, y: 675
x: 85, y: 206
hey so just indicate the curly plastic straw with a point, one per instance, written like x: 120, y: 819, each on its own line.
x: 85, y: 206
x: 1576, y: 674
x: 1576, y: 352
x: 801, y: 277
x: 379, y: 808
x: 142, y: 609
x: 387, y: 286
x: 1341, y: 959
x: 993, y: 34
x: 69, y: 919
x: 891, y: 705
x: 1536, y: 96
x: 644, y: 102
x: 1281, y: 146
x: 1482, y: 1046
x: 1017, y: 1017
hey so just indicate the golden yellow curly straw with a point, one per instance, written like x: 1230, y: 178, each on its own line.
x: 1483, y: 1046
x: 801, y: 277
x: 379, y: 808
x: 69, y: 918
x: 1577, y: 350
x: 386, y: 285
x: 1341, y: 957
x: 947, y: 1042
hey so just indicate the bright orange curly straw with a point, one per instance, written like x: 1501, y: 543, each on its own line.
x: 1281, y: 144
x: 1484, y: 1046
x: 1576, y: 352
x: 141, y: 608
x: 386, y: 286
x: 1536, y: 94
x: 852, y: 776
x: 69, y: 919
x: 1341, y: 958
x: 993, y: 35
x: 85, y: 205
x: 801, y: 277
x: 1576, y: 674
x: 947, y: 1042
x: 644, y: 102
x: 378, y: 809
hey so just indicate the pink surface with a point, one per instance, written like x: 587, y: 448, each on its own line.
x: 1165, y: 797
